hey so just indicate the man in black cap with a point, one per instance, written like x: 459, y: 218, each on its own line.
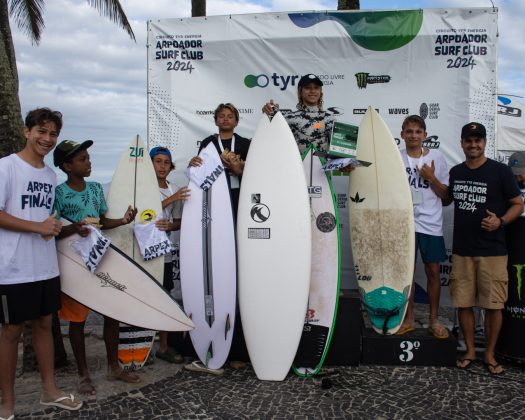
x: 486, y: 198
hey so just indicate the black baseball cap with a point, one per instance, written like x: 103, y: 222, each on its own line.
x: 309, y: 78
x: 517, y: 163
x: 473, y: 129
x: 67, y: 148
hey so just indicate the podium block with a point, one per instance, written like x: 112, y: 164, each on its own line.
x: 345, y: 347
x: 417, y: 348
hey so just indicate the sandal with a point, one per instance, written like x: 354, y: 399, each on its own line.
x: 197, y: 366
x: 459, y: 363
x: 438, y: 331
x: 405, y: 328
x: 493, y: 368
x: 67, y: 402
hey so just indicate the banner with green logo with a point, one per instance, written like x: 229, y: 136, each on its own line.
x: 439, y: 63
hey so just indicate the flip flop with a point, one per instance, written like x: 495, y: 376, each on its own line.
x: 491, y: 368
x: 465, y: 359
x: 11, y: 417
x: 405, y: 329
x: 434, y: 329
x: 197, y: 366
x: 61, y: 402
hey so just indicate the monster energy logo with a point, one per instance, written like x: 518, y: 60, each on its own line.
x: 363, y: 79
x: 519, y: 267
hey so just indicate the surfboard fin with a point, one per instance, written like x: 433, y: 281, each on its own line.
x: 228, y: 326
x: 209, y: 353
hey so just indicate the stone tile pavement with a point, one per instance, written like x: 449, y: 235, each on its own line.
x: 362, y: 392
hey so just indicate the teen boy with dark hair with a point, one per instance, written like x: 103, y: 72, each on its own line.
x: 428, y: 179
x: 29, y: 278
x: 78, y: 199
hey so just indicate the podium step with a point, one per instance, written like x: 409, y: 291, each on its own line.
x: 417, y: 348
x: 345, y: 346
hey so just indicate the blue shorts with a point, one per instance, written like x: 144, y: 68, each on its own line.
x: 432, y: 248
x: 29, y: 301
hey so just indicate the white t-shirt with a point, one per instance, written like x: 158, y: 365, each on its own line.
x: 172, y: 211
x: 27, y: 193
x: 428, y: 214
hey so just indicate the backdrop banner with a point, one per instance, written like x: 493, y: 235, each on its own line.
x: 437, y: 63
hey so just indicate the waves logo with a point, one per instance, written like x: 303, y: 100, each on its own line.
x: 364, y: 79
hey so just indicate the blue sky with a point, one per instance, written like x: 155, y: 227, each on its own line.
x: 88, y: 68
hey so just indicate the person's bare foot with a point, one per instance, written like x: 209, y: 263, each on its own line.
x: 85, y: 386
x: 122, y: 375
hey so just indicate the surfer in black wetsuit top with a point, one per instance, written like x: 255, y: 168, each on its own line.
x: 233, y: 150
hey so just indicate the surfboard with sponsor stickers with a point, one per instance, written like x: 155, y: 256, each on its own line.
x: 381, y: 225
x: 274, y: 249
x: 208, y: 266
x: 134, y: 183
x: 325, y: 268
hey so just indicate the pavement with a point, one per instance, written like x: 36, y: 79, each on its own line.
x: 168, y: 391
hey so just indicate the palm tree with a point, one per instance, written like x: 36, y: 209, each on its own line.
x: 28, y: 15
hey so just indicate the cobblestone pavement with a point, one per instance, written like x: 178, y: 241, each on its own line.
x: 363, y: 392
x: 350, y: 392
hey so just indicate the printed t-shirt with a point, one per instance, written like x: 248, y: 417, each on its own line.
x: 475, y: 191
x: 27, y: 193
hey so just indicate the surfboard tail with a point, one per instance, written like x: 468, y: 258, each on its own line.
x: 312, y: 346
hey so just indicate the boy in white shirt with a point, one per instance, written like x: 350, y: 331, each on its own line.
x: 428, y: 178
x: 29, y: 278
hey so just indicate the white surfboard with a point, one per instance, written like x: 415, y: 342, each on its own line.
x: 120, y: 289
x: 274, y: 249
x: 134, y: 183
x: 324, y: 281
x: 208, y: 267
x: 381, y: 225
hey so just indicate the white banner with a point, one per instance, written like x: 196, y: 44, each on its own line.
x: 440, y: 64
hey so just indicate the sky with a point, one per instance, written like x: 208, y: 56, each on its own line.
x: 89, y: 69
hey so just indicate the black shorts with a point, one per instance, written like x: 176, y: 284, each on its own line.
x: 29, y: 301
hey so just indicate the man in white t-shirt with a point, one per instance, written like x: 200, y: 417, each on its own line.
x: 428, y: 178
x: 29, y: 281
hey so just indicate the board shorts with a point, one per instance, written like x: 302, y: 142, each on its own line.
x: 483, y: 277
x: 29, y: 301
x: 72, y: 310
x: 432, y: 248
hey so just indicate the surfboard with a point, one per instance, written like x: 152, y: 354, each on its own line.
x: 119, y: 288
x: 274, y: 249
x: 135, y: 346
x: 208, y: 267
x: 325, y: 268
x: 134, y: 183
x: 381, y: 226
